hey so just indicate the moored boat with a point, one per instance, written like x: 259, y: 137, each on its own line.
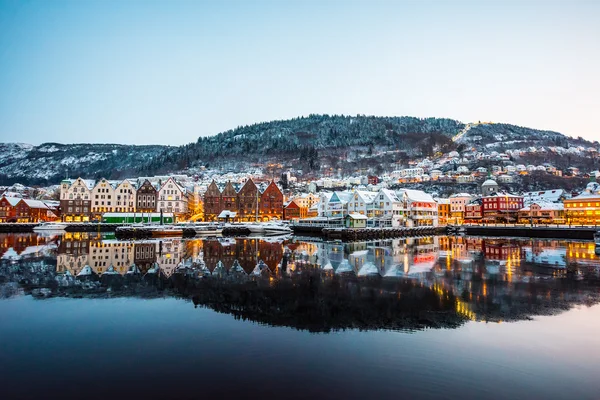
x: 50, y: 226
x: 163, y: 230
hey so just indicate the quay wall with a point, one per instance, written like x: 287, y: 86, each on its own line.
x: 75, y: 227
x: 562, y: 232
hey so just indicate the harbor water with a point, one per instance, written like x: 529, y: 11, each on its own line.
x: 83, y: 315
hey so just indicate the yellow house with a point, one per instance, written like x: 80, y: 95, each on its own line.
x: 585, y: 208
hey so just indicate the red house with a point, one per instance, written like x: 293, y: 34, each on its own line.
x: 501, y: 207
x: 473, y: 211
x: 8, y: 212
x: 28, y: 210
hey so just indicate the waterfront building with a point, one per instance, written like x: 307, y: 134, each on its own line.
x: 125, y: 197
x: 271, y: 203
x: 76, y: 199
x: 8, y: 211
x: 443, y: 211
x: 458, y: 203
x: 146, y: 197
x: 213, y: 204
x: 542, y: 213
x: 172, y: 198
x: 473, y: 211
x: 388, y: 209
x: 421, y: 208
x: 501, y: 207
x: 103, y: 198
x: 28, y: 210
x: 248, y: 204
x: 292, y: 211
x: 584, y: 209
x: 362, y: 203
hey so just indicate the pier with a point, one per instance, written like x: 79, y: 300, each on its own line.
x: 71, y: 227
x: 535, y: 231
x: 357, y: 234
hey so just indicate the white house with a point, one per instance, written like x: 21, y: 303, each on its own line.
x: 103, y: 197
x: 421, y: 208
x: 125, y: 197
x: 362, y: 203
x: 172, y: 198
x: 388, y: 207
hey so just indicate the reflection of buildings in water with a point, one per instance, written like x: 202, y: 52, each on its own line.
x: 144, y: 255
x: 21, y: 245
x: 104, y: 254
x: 73, y: 252
x: 170, y: 252
x: 548, y: 253
x: 247, y: 251
x: 582, y: 253
x: 397, y: 257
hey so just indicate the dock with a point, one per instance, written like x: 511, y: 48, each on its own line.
x: 71, y: 227
x: 359, y: 234
x: 536, y: 231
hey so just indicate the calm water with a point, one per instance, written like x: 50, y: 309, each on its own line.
x: 86, y: 316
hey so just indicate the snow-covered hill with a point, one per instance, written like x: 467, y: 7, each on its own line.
x: 49, y: 162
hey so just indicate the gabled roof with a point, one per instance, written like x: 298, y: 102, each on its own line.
x: 391, y: 194
x: 35, y: 204
x: 415, y: 195
x: 366, y: 196
x: 13, y: 201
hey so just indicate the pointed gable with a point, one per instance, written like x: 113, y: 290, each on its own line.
x: 212, y: 190
x: 249, y: 189
x: 229, y: 190
x: 272, y: 190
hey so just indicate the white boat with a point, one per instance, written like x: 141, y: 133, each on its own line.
x: 207, y: 229
x: 276, y: 228
x: 50, y: 226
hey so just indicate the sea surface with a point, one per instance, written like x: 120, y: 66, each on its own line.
x: 85, y: 316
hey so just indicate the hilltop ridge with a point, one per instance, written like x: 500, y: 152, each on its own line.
x: 310, y: 144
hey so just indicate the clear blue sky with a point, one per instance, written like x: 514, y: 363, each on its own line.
x: 167, y: 72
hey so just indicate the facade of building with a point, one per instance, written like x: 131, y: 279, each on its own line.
x: 473, y: 211
x: 293, y: 212
x: 271, y: 203
x: 213, y: 204
x: 146, y: 197
x: 585, y: 208
x: 248, y: 204
x: 125, y: 197
x: 28, y: 210
x: 543, y: 213
x: 421, y: 208
x: 458, y: 203
x: 8, y: 212
x: 501, y: 207
x: 443, y: 211
x: 103, y: 198
x: 172, y: 198
x: 76, y: 200
x: 489, y: 187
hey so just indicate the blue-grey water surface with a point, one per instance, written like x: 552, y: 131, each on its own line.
x: 526, y: 324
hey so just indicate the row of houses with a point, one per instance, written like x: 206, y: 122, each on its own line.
x: 83, y: 200
x: 242, y: 203
x: 544, y: 207
x: 17, y: 209
x: 385, y: 207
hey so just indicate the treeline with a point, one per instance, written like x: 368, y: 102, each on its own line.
x: 290, y: 138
